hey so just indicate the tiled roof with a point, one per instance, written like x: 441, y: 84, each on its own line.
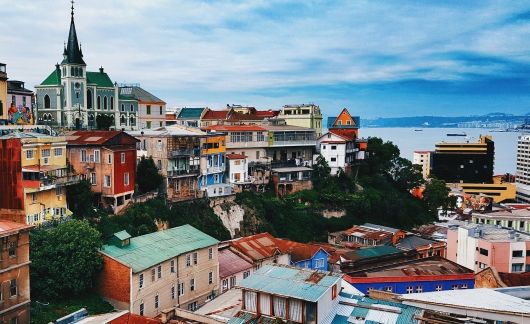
x: 216, y: 114
x: 257, y: 247
x: 130, y: 318
x: 298, y: 251
x: 90, y: 137
x: 235, y: 128
x: 233, y: 156
x: 190, y: 113
x: 231, y: 263
x: 298, y: 283
x: 515, y: 279
x: 151, y: 249
x: 101, y: 79
x: 140, y: 94
x: 8, y: 227
x: 267, y: 113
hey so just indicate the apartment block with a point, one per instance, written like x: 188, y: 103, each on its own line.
x: 177, y: 267
x: 303, y: 115
x: 522, y: 179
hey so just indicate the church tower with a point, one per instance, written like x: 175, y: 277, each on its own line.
x: 74, y: 81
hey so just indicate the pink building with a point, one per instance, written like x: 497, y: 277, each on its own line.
x: 478, y: 246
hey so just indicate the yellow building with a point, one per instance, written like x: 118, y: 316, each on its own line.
x: 44, y: 175
x: 498, y: 190
x: 305, y: 115
x: 3, y: 91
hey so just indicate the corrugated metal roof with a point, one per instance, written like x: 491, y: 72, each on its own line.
x: 298, y: 283
x: 370, y: 252
x: 148, y: 250
x: 122, y: 235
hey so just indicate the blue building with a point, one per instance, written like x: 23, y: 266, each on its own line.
x: 309, y: 256
x: 411, y: 276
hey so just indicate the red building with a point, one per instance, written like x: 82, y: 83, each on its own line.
x: 108, y: 160
x: 12, y: 197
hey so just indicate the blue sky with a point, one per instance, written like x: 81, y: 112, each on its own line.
x: 378, y: 58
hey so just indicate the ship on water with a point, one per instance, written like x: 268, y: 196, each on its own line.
x: 456, y: 134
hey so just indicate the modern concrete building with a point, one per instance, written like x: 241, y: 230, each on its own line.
x: 522, y: 179
x: 14, y: 273
x: 177, y: 267
x: 423, y: 158
x: 304, y: 115
x: 33, y: 176
x: 478, y: 246
x: 517, y: 219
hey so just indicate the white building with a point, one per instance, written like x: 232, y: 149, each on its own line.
x: 333, y: 148
x: 237, y: 169
x: 522, y: 179
x: 423, y: 158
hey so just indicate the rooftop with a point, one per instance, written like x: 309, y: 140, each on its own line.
x: 234, y: 156
x: 190, y: 113
x: 412, y: 242
x: 9, y: 227
x: 151, y: 249
x: 235, y: 128
x: 231, y: 263
x: 519, y: 213
x: 168, y: 131
x: 26, y: 135
x: 432, y: 266
x: 291, y: 282
x: 140, y: 94
x: 257, y: 247
x: 493, y: 233
x: 370, y: 252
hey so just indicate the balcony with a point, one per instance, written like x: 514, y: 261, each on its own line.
x: 250, y: 144
x: 293, y: 143
x: 182, y: 152
x: 216, y: 169
x: 182, y: 173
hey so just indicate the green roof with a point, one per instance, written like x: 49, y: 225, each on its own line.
x: 148, y: 250
x: 53, y: 79
x: 123, y: 235
x: 190, y: 113
x: 293, y: 282
x: 371, y: 252
x: 101, y: 79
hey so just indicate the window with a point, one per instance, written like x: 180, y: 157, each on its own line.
x: 109, y: 159
x: 517, y: 267
x: 122, y: 107
x: 58, y: 191
x: 483, y: 251
x: 246, y: 274
x: 160, y: 110
x: 141, y: 309
x: 517, y: 254
x: 58, y: 152
x: 148, y: 109
x: 232, y: 282
x: 93, y: 178
x: 12, y: 249
x: 46, y: 153
x: 319, y: 263
x: 153, y: 274
x: 105, y: 103
x: 34, y: 197
x: 188, y: 260
x: 334, y: 292
x: 482, y: 265
x: 111, y: 103
x: 192, y: 284
x: 98, y: 104
x: 333, y: 147
x: 195, y: 258
x: 172, y: 266
x: 122, y: 158
x: 131, y: 107
x: 156, y: 301
x: 141, y: 280
x: 333, y: 159
x: 96, y: 156
x: 83, y: 156
x: 172, y: 292
x: 29, y: 154
x: 181, y: 288
x: 438, y: 287
x: 126, y: 178
x: 463, y: 286
x: 419, y: 289
x: 107, y: 181
x: 410, y: 289
x: 46, y: 101
x: 13, y: 287
x: 159, y: 271
x: 388, y: 289
x: 225, y: 285
x: 192, y: 306
x: 454, y: 287
x: 161, y: 124
x: 210, y: 278
x: 210, y: 253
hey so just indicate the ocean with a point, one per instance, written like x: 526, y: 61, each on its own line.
x: 408, y: 140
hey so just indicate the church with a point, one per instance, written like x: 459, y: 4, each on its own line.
x: 71, y: 96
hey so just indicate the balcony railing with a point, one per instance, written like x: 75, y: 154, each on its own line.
x: 182, y: 172
x: 215, y: 169
x: 293, y: 143
x: 183, y: 152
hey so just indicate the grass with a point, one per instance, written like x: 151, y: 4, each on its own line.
x: 44, y: 312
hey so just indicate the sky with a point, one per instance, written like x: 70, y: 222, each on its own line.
x: 377, y: 58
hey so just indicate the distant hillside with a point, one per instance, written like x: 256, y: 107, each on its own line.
x: 497, y: 119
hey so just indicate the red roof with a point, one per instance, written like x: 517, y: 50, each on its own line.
x: 257, y: 247
x: 8, y: 227
x: 231, y: 263
x: 233, y: 156
x: 348, y: 134
x: 235, y: 128
x: 515, y: 279
x: 171, y: 116
x: 129, y: 318
x: 93, y: 137
x: 267, y: 113
x: 216, y: 114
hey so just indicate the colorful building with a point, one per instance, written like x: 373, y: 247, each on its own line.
x: 20, y: 110
x: 304, y: 115
x: 213, y: 166
x: 108, y: 160
x: 14, y: 273
x: 73, y: 97
x: 175, y: 150
x: 518, y: 219
x: 237, y: 171
x: 177, y: 267
x: 478, y: 246
x: 412, y: 276
x: 3, y: 91
x: 190, y: 116
x: 366, y: 235
x: 34, y: 174
x: 139, y: 109
x: 233, y: 267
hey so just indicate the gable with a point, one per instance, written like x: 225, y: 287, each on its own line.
x: 330, y: 137
x: 344, y: 119
x: 122, y: 139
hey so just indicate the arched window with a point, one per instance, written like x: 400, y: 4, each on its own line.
x: 105, y: 102
x: 99, y: 102
x: 132, y: 107
x: 111, y: 103
x: 91, y: 120
x: 72, y: 71
x: 122, y: 107
x: 89, y: 98
x: 123, y: 120
x: 132, y: 121
x: 64, y: 71
x: 46, y: 101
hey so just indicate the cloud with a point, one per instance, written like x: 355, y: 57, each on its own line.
x: 268, y: 53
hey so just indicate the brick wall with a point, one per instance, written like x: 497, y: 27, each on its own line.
x: 113, y: 283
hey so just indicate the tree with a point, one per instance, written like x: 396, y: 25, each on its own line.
x: 147, y: 176
x: 64, y: 259
x: 406, y: 175
x: 436, y: 195
x: 321, y: 171
x: 79, y: 198
x: 380, y: 156
x: 104, y: 122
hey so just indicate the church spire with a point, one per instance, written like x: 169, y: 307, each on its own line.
x: 73, y: 53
